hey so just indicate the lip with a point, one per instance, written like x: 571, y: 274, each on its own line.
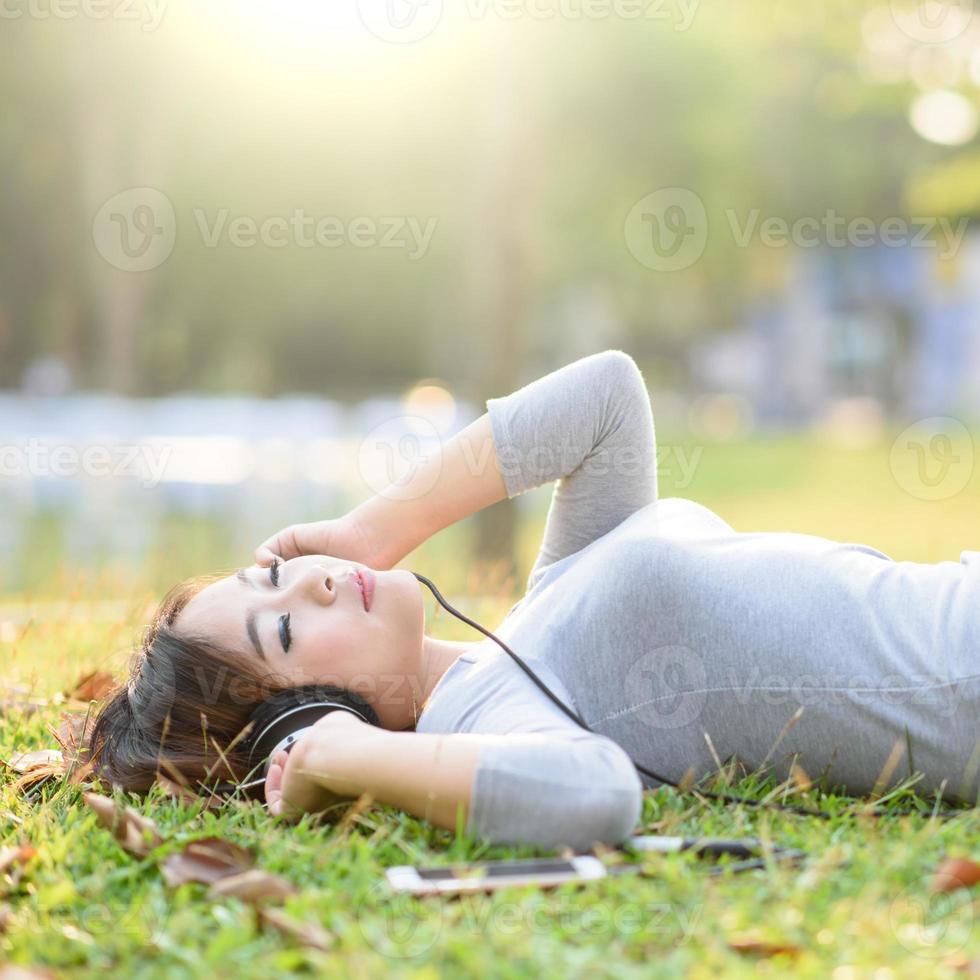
x: 367, y: 580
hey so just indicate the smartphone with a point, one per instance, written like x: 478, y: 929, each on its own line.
x: 491, y: 875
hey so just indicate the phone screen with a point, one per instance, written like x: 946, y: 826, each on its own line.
x: 499, y: 869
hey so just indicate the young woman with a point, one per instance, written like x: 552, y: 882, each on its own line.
x: 679, y: 640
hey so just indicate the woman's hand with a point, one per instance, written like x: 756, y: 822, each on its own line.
x: 319, y: 773
x: 344, y: 537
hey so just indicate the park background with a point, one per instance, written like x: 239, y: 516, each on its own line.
x: 256, y: 258
x: 284, y: 250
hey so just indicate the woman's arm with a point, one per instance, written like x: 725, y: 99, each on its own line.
x: 587, y: 424
x: 549, y: 788
x: 461, y: 479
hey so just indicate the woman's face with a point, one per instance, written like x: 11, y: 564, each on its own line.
x: 304, y: 622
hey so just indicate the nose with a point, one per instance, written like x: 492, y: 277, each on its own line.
x: 319, y: 583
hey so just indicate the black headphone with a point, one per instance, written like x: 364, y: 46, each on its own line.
x: 278, y: 723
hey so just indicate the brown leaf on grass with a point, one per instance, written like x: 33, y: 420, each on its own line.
x: 308, y: 933
x: 6, y: 917
x: 35, y: 767
x: 752, y: 945
x: 10, y: 971
x: 72, y: 733
x: 136, y: 834
x: 801, y: 778
x: 962, y: 963
x: 93, y: 686
x: 15, y: 856
x: 181, y: 791
x: 253, y: 886
x: 206, y: 861
x: 29, y: 762
x: 955, y: 873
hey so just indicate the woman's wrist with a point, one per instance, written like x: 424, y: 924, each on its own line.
x: 336, y: 755
x: 462, y: 478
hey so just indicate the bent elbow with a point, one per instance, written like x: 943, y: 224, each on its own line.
x: 617, y: 811
x: 615, y: 819
x: 610, y: 807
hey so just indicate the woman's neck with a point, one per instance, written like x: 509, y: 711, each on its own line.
x: 437, y: 657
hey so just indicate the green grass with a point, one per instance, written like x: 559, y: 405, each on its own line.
x: 859, y: 905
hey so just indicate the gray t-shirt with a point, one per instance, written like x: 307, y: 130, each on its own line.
x: 682, y: 641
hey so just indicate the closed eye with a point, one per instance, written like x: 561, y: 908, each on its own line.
x: 285, y: 634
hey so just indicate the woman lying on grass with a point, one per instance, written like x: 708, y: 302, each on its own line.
x: 679, y: 640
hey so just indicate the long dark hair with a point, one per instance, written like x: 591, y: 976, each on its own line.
x: 184, y: 713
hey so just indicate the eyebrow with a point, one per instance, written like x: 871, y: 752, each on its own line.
x: 250, y: 628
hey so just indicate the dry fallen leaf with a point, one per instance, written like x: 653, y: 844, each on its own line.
x: 35, y: 767
x: 10, y: 971
x: 206, y: 861
x: 135, y: 833
x: 72, y: 733
x: 15, y: 856
x: 253, y: 886
x: 92, y: 687
x: 29, y: 762
x: 308, y: 933
x: 801, y: 778
x: 753, y: 945
x: 181, y: 791
x: 955, y: 873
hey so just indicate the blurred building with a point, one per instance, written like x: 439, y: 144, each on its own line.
x: 897, y: 326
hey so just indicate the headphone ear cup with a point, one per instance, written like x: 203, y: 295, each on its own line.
x: 275, y: 722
